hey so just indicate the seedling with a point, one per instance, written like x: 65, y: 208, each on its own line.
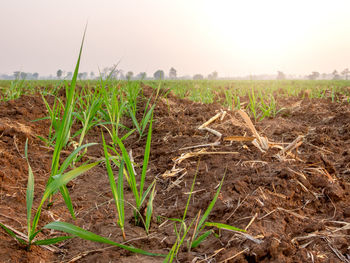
x: 197, y: 236
x: 138, y: 192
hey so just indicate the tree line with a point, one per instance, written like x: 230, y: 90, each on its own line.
x: 110, y: 72
x: 334, y: 75
x: 159, y: 74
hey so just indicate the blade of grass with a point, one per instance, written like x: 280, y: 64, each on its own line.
x: 132, y: 179
x: 149, y: 210
x: 84, y: 234
x: 207, y: 211
x: 30, y: 190
x: 224, y: 226
x: 201, y: 238
x: 50, y: 241
x: 146, y: 156
x: 117, y: 192
x: 12, y: 234
x: 64, y: 129
x: 56, y: 183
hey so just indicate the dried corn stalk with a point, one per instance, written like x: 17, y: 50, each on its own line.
x: 262, y: 143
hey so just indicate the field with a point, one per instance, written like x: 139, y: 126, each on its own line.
x: 198, y: 171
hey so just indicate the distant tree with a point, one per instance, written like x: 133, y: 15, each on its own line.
x: 69, y: 74
x: 59, y: 73
x: 17, y: 74
x: 110, y: 72
x: 314, y: 75
x: 80, y: 76
x: 85, y: 75
x: 35, y: 75
x: 159, y: 74
x: 141, y: 75
x: 92, y: 75
x: 121, y: 74
x: 335, y: 75
x: 172, y: 73
x: 345, y: 73
x: 23, y: 75
x: 129, y: 75
x: 280, y: 75
x: 198, y: 77
x: 5, y: 76
x: 113, y: 73
x: 324, y: 75
x: 213, y: 75
x: 104, y: 72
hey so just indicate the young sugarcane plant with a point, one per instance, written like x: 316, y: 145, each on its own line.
x: 199, y: 224
x: 15, y: 90
x: 140, y: 127
x: 114, y: 106
x: 253, y: 104
x: 32, y: 225
x: 197, y: 238
x: 56, y: 183
x: 89, y: 105
x: 54, y: 117
x: 139, y: 194
x: 183, y: 231
x: 63, y: 133
x: 147, y: 112
x: 117, y: 189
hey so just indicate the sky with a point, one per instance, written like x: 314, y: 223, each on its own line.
x: 232, y: 37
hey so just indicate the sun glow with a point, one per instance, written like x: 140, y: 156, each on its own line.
x: 258, y: 25
x: 264, y: 29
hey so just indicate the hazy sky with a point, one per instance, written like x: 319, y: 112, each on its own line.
x: 193, y: 36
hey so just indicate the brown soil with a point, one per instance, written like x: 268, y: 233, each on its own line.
x: 294, y: 210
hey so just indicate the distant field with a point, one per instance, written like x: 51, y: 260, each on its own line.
x: 259, y: 97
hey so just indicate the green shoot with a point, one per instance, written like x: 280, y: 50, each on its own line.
x: 84, y: 234
x: 117, y: 190
x: 138, y: 193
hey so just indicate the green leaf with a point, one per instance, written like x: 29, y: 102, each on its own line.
x: 42, y: 139
x: 50, y: 241
x: 120, y: 192
x: 224, y: 226
x: 210, y: 207
x: 33, y: 235
x: 71, y: 157
x: 117, y: 192
x: 67, y: 200
x: 201, y: 238
x: 61, y: 180
x: 58, y: 182
x: 174, y: 219
x: 170, y: 257
x: 147, y: 192
x: 127, y: 135
x: 41, y: 119
x: 132, y: 179
x: 12, y: 234
x: 84, y: 234
x: 149, y: 210
x: 65, y: 125
x: 191, y: 191
x: 134, y: 120
x: 146, y: 119
x: 146, y: 156
x: 30, y: 190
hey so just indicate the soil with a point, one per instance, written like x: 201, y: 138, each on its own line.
x: 295, y: 208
